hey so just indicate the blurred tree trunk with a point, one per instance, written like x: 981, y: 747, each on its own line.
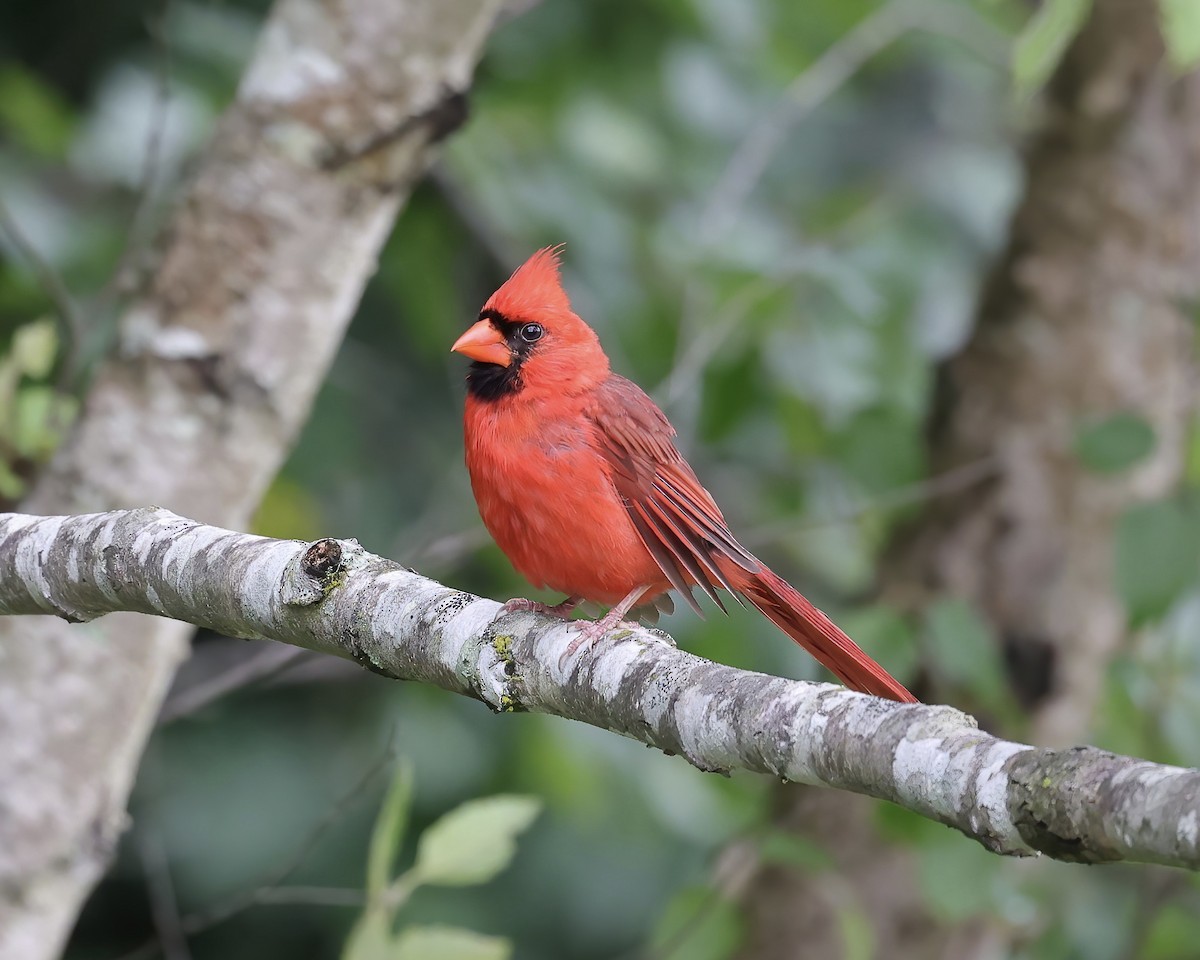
x: 1084, y: 316
x: 214, y: 373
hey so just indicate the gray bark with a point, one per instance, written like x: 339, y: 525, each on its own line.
x: 1082, y: 804
x: 214, y: 372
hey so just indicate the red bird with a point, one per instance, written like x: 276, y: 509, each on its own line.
x: 578, y: 479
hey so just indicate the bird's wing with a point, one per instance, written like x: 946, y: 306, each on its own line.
x: 684, y: 531
x: 676, y: 518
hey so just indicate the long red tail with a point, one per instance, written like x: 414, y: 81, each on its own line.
x: 785, y: 607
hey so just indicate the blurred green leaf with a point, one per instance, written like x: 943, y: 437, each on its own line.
x: 371, y: 937
x: 474, y: 842
x: 791, y: 850
x: 1179, y: 718
x: 1173, y: 934
x: 1040, y: 46
x: 11, y: 486
x: 388, y: 834
x: 1158, y: 556
x: 1181, y: 30
x: 616, y: 143
x: 288, y: 511
x: 552, y: 766
x: 956, y: 876
x: 1114, y: 444
x: 31, y: 113
x: 1100, y: 919
x: 858, y: 937
x: 1192, y: 453
x: 964, y: 652
x: 898, y: 825
x: 806, y: 430
x: 34, y: 347
x: 40, y: 418
x: 448, y: 943
x: 698, y: 924
x: 882, y: 449
x: 1122, y: 722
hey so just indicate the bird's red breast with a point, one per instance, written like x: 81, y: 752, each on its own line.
x: 578, y: 479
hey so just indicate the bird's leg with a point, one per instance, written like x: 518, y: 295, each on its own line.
x: 589, y: 633
x: 561, y: 610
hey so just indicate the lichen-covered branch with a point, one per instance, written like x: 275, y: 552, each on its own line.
x: 1080, y: 804
x: 213, y: 373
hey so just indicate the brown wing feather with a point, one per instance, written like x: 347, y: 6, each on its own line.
x: 679, y: 523
x: 684, y: 532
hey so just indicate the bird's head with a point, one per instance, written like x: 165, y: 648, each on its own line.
x: 529, y: 341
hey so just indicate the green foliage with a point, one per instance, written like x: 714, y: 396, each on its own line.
x: 960, y: 646
x: 475, y: 842
x: 958, y: 880
x: 468, y: 846
x: 698, y: 924
x: 34, y: 415
x: 31, y: 113
x: 1123, y: 720
x: 1181, y: 29
x: 881, y: 450
x: 1173, y: 934
x: 854, y: 924
x: 448, y: 943
x: 1114, y: 444
x: 389, y: 832
x: 288, y: 511
x: 32, y: 352
x: 788, y: 849
x: 1192, y: 454
x: 372, y: 940
x: 1157, y: 555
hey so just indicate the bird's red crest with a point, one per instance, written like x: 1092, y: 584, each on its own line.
x: 534, y: 288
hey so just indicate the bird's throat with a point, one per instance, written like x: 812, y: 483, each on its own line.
x: 490, y: 381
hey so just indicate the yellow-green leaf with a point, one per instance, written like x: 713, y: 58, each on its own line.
x: 34, y: 348
x: 1040, y: 46
x: 1181, y: 30
x: 389, y: 832
x: 40, y: 418
x: 448, y: 943
x: 474, y: 842
x: 698, y: 924
x: 32, y: 113
x: 371, y: 938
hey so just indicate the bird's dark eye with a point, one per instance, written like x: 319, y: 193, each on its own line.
x: 532, y: 332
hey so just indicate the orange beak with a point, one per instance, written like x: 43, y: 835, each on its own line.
x: 484, y: 343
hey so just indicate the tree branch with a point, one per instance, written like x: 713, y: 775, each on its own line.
x: 1081, y: 804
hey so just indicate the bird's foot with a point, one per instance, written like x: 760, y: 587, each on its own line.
x: 591, y: 631
x: 561, y: 610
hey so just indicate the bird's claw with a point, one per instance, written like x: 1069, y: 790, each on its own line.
x: 520, y: 604
x: 591, y: 632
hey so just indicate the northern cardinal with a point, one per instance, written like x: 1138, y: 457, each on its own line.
x: 579, y: 482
